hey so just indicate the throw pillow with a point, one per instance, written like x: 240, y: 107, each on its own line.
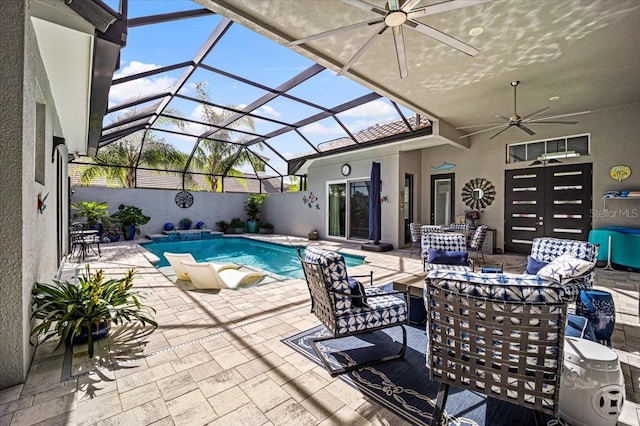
x: 357, y: 289
x: 565, y: 268
x: 533, y: 265
x: 444, y: 257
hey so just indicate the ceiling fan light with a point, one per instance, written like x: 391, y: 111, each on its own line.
x: 395, y: 19
x: 476, y: 31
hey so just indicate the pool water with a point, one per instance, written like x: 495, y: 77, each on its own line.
x: 273, y: 258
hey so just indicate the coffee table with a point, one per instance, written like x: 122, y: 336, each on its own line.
x: 414, y: 283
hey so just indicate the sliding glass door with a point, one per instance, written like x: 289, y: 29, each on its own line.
x: 348, y: 213
x: 359, y: 209
x: 337, y: 208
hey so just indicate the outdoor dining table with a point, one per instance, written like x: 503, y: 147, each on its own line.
x: 81, y: 240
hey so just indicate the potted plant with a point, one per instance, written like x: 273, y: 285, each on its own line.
x: 128, y: 219
x: 112, y: 235
x: 185, y: 223
x: 68, y: 310
x: 252, y: 207
x: 266, y: 228
x: 237, y: 225
x: 223, y: 225
x: 95, y: 212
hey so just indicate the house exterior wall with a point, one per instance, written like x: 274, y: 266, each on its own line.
x: 613, y: 142
x: 29, y: 238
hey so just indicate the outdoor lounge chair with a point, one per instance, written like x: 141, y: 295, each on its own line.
x: 175, y: 260
x: 205, y: 276
x: 347, y: 311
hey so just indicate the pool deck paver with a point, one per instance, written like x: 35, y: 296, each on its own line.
x: 217, y: 358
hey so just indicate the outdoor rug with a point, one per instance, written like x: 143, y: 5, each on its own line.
x: 403, y: 385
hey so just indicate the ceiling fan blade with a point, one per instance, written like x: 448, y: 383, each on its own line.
x: 501, y: 116
x: 533, y: 114
x: 335, y: 31
x: 526, y: 129
x: 362, y: 50
x: 366, y: 6
x: 443, y: 7
x: 503, y: 130
x: 552, y: 122
x: 398, y: 40
x: 486, y: 130
x: 409, y: 5
x: 551, y: 117
x: 481, y: 125
x: 441, y: 37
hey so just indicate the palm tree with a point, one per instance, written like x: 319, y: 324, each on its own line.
x: 118, y: 161
x: 214, y: 156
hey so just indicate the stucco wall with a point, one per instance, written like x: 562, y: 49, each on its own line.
x: 29, y: 239
x: 613, y: 141
x: 327, y: 171
x: 284, y: 210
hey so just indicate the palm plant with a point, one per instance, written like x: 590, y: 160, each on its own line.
x: 67, y: 309
x: 117, y: 162
x: 221, y: 153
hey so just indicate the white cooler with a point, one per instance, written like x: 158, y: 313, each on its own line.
x: 591, y: 386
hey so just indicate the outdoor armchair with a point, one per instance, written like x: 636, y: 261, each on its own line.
x: 501, y: 335
x: 445, y: 251
x: 347, y: 308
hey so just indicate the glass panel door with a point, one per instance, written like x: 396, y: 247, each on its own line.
x: 359, y: 209
x: 442, y: 187
x: 407, y: 206
x: 337, y: 208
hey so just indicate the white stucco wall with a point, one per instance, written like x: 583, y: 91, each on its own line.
x: 29, y: 239
x: 284, y: 210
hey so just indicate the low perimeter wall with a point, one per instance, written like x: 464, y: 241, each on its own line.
x: 286, y: 211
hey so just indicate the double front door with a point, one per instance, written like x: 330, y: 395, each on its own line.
x: 547, y: 201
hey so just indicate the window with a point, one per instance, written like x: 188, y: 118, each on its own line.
x: 530, y: 151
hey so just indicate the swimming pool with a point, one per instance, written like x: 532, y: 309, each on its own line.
x: 276, y: 259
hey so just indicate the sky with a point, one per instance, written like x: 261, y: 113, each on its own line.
x: 248, y: 55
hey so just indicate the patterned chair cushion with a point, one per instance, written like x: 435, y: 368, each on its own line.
x: 335, y: 271
x: 382, y: 310
x: 459, y: 227
x: 431, y: 229
x: 510, y: 287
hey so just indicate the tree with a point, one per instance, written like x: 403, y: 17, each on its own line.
x: 221, y: 152
x: 118, y: 160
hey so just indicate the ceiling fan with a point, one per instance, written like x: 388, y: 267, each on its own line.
x: 397, y: 16
x: 520, y: 122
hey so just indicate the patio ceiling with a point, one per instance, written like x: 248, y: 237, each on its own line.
x: 586, y: 52
x: 325, y: 113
